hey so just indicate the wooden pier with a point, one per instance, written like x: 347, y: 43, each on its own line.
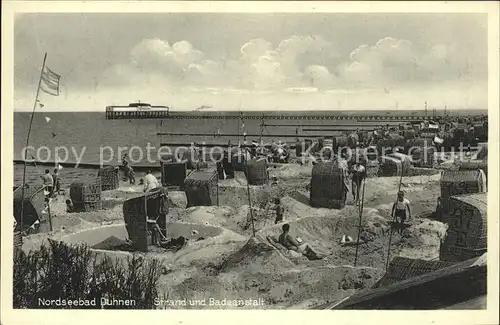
x: 112, y: 114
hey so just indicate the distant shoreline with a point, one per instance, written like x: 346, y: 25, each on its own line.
x: 270, y: 113
x: 139, y: 167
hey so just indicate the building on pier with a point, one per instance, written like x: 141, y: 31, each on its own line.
x: 137, y: 111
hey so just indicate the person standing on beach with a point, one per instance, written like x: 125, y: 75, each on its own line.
x: 150, y: 182
x: 57, y: 182
x: 401, y: 209
x: 48, y: 182
x: 125, y: 160
x: 358, y: 175
x: 125, y: 166
x: 254, y: 148
x: 131, y: 175
x: 279, y: 211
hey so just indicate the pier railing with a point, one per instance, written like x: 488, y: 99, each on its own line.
x: 111, y: 114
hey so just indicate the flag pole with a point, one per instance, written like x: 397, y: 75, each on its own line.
x: 28, y: 139
x: 361, y: 207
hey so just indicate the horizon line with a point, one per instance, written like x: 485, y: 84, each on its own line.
x: 350, y: 110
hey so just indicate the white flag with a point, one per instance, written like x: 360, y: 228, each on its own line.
x: 438, y: 140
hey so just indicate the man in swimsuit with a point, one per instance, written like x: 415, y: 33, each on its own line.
x: 290, y: 243
x: 358, y: 175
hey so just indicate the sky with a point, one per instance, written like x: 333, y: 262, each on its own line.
x: 264, y: 61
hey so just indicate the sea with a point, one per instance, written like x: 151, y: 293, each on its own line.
x: 90, y: 138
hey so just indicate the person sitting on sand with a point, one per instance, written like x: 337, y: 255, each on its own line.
x: 150, y: 182
x: 290, y: 243
x: 401, y: 209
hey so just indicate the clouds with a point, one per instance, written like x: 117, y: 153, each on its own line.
x: 387, y: 61
x: 318, y: 76
x: 157, y: 56
x: 297, y: 73
x: 294, y: 62
x: 297, y: 61
x: 254, y: 49
x: 393, y: 61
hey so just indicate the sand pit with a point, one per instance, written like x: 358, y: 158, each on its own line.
x: 227, y: 217
x: 112, y: 208
x: 422, y: 190
x: 205, y: 243
x: 256, y: 256
x: 234, y: 192
x: 257, y: 270
x: 324, y: 234
x: 239, y: 220
x: 235, y: 219
x: 277, y: 290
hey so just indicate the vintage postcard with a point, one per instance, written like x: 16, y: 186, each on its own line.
x: 319, y: 158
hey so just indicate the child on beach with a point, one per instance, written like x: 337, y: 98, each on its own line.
x: 69, y: 206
